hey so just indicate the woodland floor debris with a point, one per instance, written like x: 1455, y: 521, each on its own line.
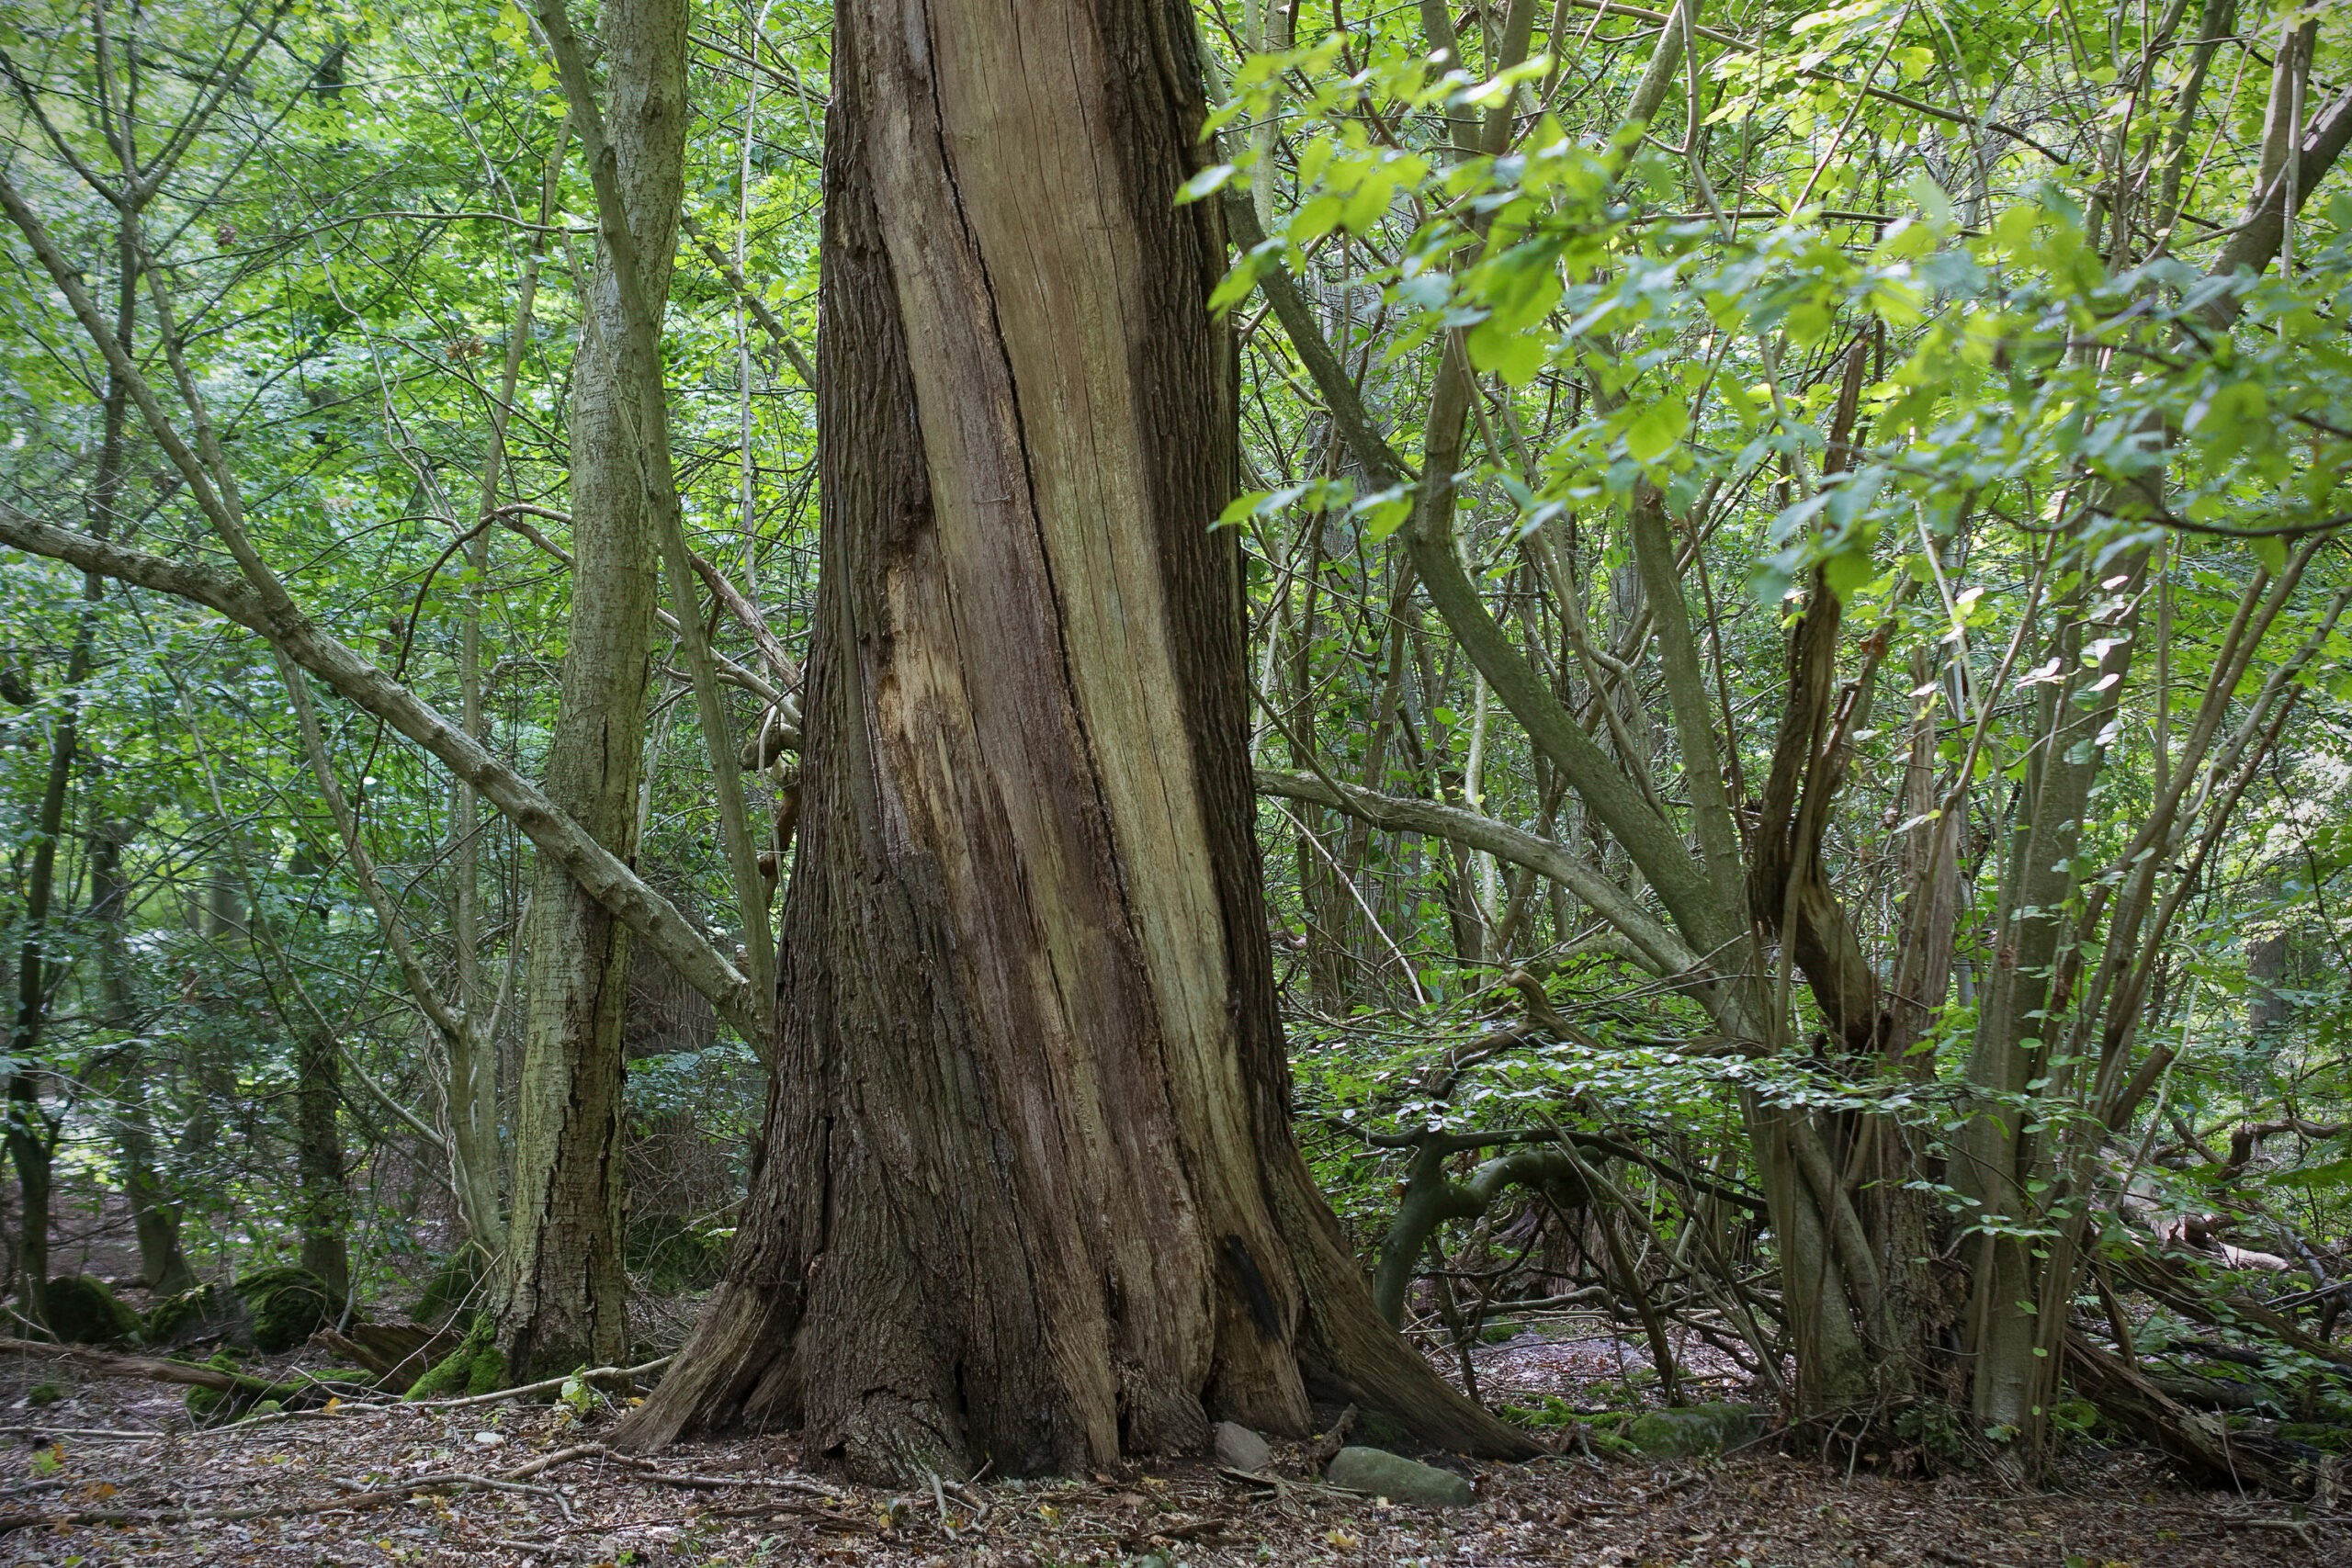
x: 375, y: 1488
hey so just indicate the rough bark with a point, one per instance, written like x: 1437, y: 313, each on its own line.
x: 323, y: 1204
x: 1027, y: 1195
x: 565, y: 1298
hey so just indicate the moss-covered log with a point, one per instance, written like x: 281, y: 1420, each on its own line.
x: 231, y: 1391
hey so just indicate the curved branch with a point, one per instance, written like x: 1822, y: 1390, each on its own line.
x: 1660, y: 951
x: 1431, y: 1199
x: 651, y: 917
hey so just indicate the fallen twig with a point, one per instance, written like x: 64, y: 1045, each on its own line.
x: 348, y: 1406
x: 1203, y: 1532
x: 593, y: 1376
x: 157, y: 1368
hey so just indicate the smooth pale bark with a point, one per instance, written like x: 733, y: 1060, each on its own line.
x: 471, y: 1100
x: 636, y: 239
x: 564, y: 1301
x: 1028, y: 1196
x: 2305, y: 159
x: 1661, y: 951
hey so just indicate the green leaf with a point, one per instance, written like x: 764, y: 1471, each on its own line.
x: 1208, y: 182
x: 1657, y: 429
x: 1516, y: 356
x: 1931, y: 198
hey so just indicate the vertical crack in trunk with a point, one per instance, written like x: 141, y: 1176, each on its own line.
x: 1027, y: 1195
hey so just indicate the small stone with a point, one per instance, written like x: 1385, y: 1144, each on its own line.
x: 489, y: 1439
x: 1399, y: 1479
x: 1239, y: 1447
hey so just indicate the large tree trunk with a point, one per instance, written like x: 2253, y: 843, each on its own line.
x: 565, y: 1302
x: 1027, y: 1195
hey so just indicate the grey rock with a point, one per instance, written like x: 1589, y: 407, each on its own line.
x: 1239, y: 1447
x: 1695, y: 1430
x: 1399, y: 1479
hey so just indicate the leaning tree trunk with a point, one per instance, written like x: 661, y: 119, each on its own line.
x: 1027, y: 1194
x: 565, y: 1299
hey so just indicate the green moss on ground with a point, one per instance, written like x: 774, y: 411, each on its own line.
x: 207, y: 1406
x: 474, y: 1366
x: 252, y: 1396
x: 288, y: 1305
x: 2328, y: 1439
x: 1600, y: 1433
x: 454, y: 1289
x: 83, y: 1311
x: 205, y: 1312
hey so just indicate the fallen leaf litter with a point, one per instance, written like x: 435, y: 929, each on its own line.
x: 116, y: 1475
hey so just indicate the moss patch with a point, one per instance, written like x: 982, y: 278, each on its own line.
x: 83, y: 1311
x: 207, y: 1406
x: 474, y: 1366
x: 1600, y: 1433
x: 288, y: 1305
x: 207, y: 1312
x: 212, y: 1407
x: 2329, y: 1439
x: 454, y: 1289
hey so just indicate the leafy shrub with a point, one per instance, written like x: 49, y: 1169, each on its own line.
x: 669, y: 1253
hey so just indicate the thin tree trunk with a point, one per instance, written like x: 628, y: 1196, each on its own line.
x: 565, y: 1297
x: 31, y: 1133
x: 155, y: 1218
x: 476, y: 1159
x: 1027, y: 1195
x: 323, y: 1203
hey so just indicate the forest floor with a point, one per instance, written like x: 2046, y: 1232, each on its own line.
x: 373, y: 1486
